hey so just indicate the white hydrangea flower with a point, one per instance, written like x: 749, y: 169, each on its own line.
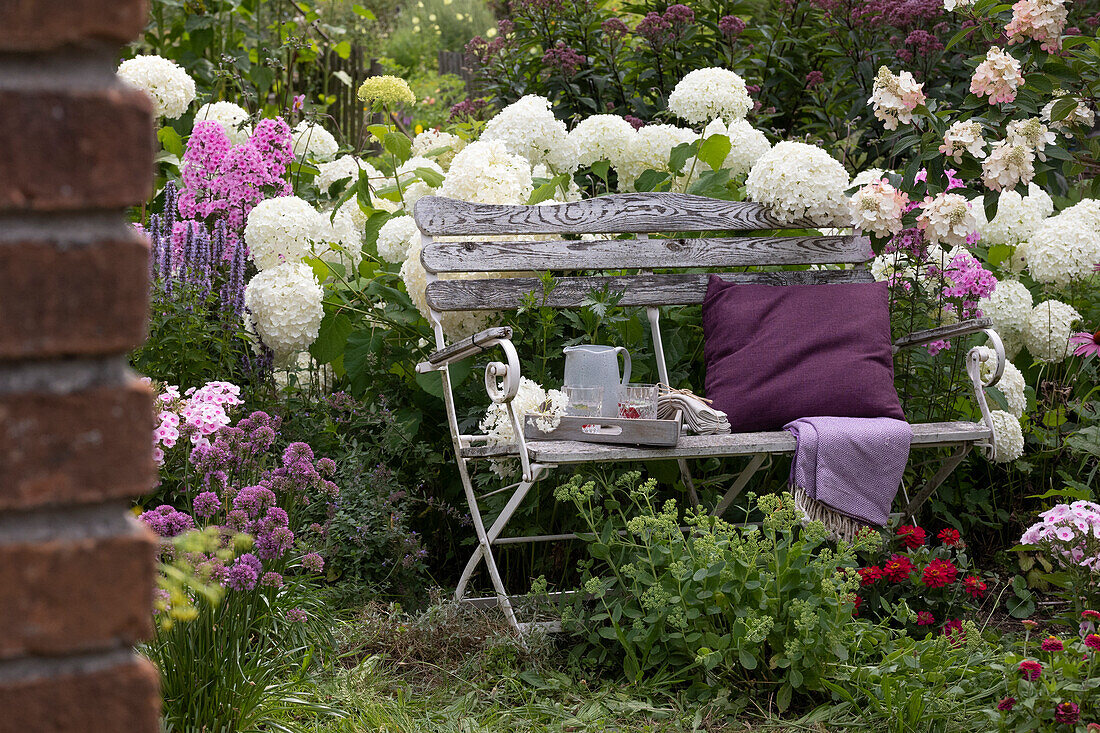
x: 407, y: 170
x: 892, y: 267
x: 894, y: 97
x: 165, y: 82
x: 285, y: 306
x: 878, y: 207
x: 347, y: 231
x: 486, y: 173
x: 1067, y: 246
x: 1007, y: 165
x: 1011, y: 385
x: 313, y: 141
x: 528, y: 128
x: 283, y: 229
x: 1009, y: 306
x: 1008, y: 437
x: 1081, y: 116
x: 429, y: 140
x: 346, y: 166
x: 1048, y: 330
x: 704, y: 94
x: 1017, y: 218
x: 602, y: 137
x: 395, y: 238
x: 531, y: 399
x: 416, y: 191
x: 947, y: 219
x: 1013, y: 343
x: 456, y: 324
x: 650, y: 149
x: 963, y: 137
x: 867, y: 176
x: 233, y: 118
x: 1030, y: 132
x: 797, y: 180
x: 747, y: 145
x: 950, y: 5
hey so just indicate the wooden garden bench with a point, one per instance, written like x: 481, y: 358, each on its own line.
x: 466, y: 227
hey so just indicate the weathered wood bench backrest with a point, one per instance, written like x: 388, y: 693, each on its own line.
x: 640, y: 214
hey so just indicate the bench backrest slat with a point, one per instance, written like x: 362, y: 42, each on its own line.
x: 625, y: 213
x: 617, y: 254
x: 638, y: 290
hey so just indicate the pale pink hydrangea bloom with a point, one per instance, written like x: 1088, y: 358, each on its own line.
x: 947, y: 219
x: 1008, y: 164
x: 963, y: 137
x: 998, y: 77
x: 878, y: 207
x: 1039, y: 20
x: 894, y: 97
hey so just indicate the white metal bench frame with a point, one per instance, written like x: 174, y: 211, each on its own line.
x: 639, y: 214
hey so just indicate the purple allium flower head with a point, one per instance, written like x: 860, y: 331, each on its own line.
x: 313, y: 562
x: 237, y: 520
x: 326, y: 467
x: 206, y: 504
x: 271, y: 579
x: 296, y: 615
x: 297, y: 452
x: 166, y: 521
x: 241, y: 576
x: 254, y: 500
x: 329, y: 489
x: 275, y: 542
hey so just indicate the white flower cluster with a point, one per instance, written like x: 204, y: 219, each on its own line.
x: 283, y: 229
x: 894, y: 97
x: 1030, y: 132
x: 1009, y: 306
x: 346, y: 166
x: 947, y: 219
x: 1008, y: 164
x: 456, y: 324
x: 413, y: 188
x: 650, y: 149
x: 1017, y: 218
x: 285, y: 306
x: 797, y: 180
x: 1080, y: 116
x: 878, y: 207
x: 1066, y: 247
x: 864, y: 177
x: 950, y: 5
x: 486, y: 173
x: 528, y: 128
x: 165, y: 82
x: 704, y: 94
x: 602, y: 137
x: 1011, y: 385
x: 347, y: 230
x: 1048, y: 330
x: 396, y: 237
x: 1008, y: 437
x: 233, y: 118
x: 531, y: 399
x: 747, y: 145
x: 963, y: 137
x: 432, y: 140
x: 313, y: 141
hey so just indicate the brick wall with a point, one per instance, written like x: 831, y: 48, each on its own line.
x: 76, y: 148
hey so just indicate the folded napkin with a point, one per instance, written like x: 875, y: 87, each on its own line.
x: 698, y: 416
x: 847, y: 470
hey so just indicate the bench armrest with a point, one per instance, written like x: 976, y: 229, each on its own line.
x: 943, y: 332
x: 476, y: 344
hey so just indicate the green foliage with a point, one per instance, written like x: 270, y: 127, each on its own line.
x: 769, y: 606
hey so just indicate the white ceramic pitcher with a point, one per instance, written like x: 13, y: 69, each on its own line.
x: 591, y: 365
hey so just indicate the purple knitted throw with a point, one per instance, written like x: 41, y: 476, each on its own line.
x: 853, y: 465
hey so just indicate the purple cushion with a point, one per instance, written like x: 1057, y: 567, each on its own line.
x: 777, y: 353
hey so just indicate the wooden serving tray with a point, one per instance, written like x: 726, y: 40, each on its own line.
x: 617, y: 430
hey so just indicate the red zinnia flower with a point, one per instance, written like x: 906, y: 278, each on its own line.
x: 1052, y: 644
x: 974, y: 586
x: 1067, y: 713
x: 869, y: 575
x: 939, y: 573
x: 949, y: 537
x: 1006, y: 704
x: 898, y: 568
x: 1030, y: 669
x: 1029, y: 624
x: 953, y: 630
x: 925, y: 618
x: 1093, y: 615
x: 910, y: 536
x: 1092, y: 641
x: 858, y: 602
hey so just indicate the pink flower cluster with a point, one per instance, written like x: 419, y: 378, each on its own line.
x: 197, y: 414
x: 223, y: 182
x: 1039, y: 20
x: 1071, y: 531
x: 998, y: 77
x: 968, y: 282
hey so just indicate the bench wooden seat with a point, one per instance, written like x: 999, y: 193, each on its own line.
x: 649, y: 272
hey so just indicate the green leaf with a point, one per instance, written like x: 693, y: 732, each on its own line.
x: 343, y: 49
x: 601, y: 168
x: 680, y: 154
x: 432, y: 382
x: 650, y: 180
x: 714, y: 151
x: 747, y: 660
x: 363, y: 12
x: 1062, y: 108
x: 430, y: 177
x: 397, y: 144
x: 360, y: 347
x: 546, y: 191
x: 783, y: 699
x: 331, y: 339
x: 171, y: 141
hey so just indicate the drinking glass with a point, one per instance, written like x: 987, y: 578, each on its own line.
x: 638, y: 401
x: 583, y: 401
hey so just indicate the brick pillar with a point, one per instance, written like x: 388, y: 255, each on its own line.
x: 76, y: 571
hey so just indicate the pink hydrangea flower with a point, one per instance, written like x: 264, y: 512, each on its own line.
x: 997, y: 77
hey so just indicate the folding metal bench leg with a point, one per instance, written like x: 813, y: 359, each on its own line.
x: 933, y: 483
x: 739, y: 483
x: 685, y: 474
x: 491, y: 534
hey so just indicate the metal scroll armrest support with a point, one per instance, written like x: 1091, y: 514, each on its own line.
x: 974, y: 360
x: 469, y: 346
x: 943, y: 332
